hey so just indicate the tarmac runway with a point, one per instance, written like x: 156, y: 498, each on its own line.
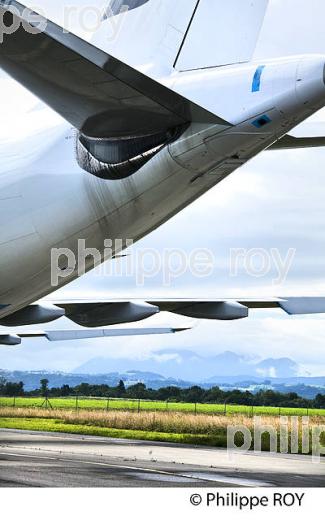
x: 35, y: 459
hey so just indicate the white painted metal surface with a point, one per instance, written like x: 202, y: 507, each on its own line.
x: 47, y: 201
x: 222, y: 33
x: 50, y: 202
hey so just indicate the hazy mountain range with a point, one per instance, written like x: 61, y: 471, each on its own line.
x: 184, y: 369
x: 190, y: 366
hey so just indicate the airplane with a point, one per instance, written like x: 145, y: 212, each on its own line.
x: 153, y: 119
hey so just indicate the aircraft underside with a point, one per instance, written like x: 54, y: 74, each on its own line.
x: 142, y: 148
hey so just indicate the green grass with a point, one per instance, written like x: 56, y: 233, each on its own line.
x: 218, y: 438
x: 101, y: 404
x: 54, y: 425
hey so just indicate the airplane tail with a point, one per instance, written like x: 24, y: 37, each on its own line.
x: 145, y: 34
x: 157, y: 36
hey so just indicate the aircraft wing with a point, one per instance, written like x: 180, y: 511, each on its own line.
x: 98, y: 94
x: 289, y: 142
x: 94, y: 313
x: 14, y: 338
x: 292, y: 305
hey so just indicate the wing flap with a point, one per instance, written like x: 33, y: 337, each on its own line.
x: 289, y: 142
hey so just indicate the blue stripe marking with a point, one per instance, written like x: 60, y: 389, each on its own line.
x: 256, y: 87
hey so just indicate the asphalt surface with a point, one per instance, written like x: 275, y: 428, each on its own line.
x: 34, y: 459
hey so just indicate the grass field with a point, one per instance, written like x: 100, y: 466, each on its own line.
x: 135, y: 405
x: 54, y: 425
x: 200, y: 429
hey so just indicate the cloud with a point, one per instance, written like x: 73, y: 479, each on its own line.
x: 267, y: 372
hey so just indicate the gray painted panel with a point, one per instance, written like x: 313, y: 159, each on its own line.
x: 96, y: 93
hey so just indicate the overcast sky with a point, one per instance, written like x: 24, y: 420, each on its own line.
x: 276, y: 201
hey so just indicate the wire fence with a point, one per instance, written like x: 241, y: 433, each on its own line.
x: 78, y: 402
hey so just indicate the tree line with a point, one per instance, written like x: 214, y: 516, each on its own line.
x: 194, y: 394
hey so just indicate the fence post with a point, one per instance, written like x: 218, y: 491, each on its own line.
x: 225, y: 410
x: 195, y: 408
x: 107, y: 405
x: 77, y: 402
x: 139, y: 405
x: 280, y: 411
x: 14, y: 403
x: 167, y: 405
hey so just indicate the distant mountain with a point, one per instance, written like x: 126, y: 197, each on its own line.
x: 283, y: 367
x: 192, y: 367
x: 31, y: 380
x: 307, y: 387
x: 185, y: 368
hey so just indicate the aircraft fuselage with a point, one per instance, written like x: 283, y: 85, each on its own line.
x: 48, y: 201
